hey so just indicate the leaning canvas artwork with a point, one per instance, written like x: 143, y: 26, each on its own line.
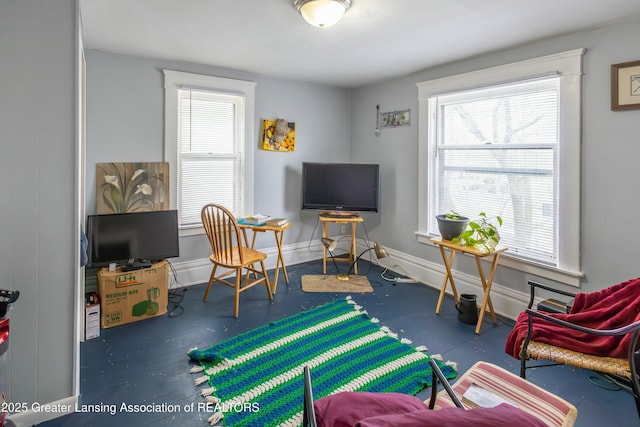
x: 132, y: 187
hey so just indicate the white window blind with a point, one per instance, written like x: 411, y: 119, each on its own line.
x: 210, y: 152
x: 495, y: 150
x: 506, y: 140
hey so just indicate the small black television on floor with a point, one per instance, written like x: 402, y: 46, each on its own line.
x: 133, y: 240
x: 349, y: 187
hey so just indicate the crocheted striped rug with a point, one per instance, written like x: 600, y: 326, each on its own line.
x: 256, y: 378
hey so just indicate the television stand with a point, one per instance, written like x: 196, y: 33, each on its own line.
x: 341, y: 218
x: 135, y: 264
x: 339, y: 214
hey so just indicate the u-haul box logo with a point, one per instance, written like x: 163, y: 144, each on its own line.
x: 128, y: 279
x: 113, y: 318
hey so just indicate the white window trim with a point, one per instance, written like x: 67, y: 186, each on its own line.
x: 568, y: 66
x: 175, y: 80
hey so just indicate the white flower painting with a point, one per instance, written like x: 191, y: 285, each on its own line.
x: 132, y: 187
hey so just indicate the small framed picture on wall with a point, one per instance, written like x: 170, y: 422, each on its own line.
x: 625, y: 86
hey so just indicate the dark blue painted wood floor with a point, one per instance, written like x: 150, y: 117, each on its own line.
x: 146, y: 362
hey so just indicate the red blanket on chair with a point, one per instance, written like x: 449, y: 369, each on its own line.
x: 610, y: 308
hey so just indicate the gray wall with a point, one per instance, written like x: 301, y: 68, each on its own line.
x: 609, y: 155
x: 125, y: 122
x: 38, y: 211
x: 124, y: 114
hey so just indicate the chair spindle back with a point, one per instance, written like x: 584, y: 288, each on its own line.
x: 223, y: 232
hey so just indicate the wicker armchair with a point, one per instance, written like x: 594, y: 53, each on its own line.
x: 625, y: 367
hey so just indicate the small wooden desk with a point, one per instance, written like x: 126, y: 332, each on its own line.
x: 486, y: 281
x: 278, y: 232
x: 336, y: 219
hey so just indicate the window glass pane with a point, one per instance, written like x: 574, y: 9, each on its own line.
x: 210, y: 153
x: 208, y: 180
x: 496, y: 151
x: 207, y: 123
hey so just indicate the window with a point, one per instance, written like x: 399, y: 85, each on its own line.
x: 495, y: 150
x: 209, y: 129
x: 210, y: 155
x: 506, y: 141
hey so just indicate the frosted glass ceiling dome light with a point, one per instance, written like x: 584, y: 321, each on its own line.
x: 322, y: 13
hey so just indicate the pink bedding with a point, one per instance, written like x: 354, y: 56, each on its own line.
x: 364, y: 409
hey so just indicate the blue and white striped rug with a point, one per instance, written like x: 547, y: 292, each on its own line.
x: 256, y: 378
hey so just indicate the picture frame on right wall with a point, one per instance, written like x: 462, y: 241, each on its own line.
x: 625, y: 86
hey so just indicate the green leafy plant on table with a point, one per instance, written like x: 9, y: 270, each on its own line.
x: 482, y: 234
x: 453, y: 215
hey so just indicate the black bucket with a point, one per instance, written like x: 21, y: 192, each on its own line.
x: 467, y: 309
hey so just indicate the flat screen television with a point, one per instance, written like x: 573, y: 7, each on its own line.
x: 350, y: 187
x: 134, y: 240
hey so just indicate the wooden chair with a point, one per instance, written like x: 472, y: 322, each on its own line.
x: 229, y: 251
x: 625, y: 367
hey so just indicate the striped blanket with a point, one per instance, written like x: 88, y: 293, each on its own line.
x: 256, y: 378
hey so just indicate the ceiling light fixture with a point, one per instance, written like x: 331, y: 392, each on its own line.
x: 322, y: 13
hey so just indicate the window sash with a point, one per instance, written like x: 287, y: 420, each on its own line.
x: 496, y: 150
x: 568, y: 67
x: 244, y: 90
x: 210, y: 153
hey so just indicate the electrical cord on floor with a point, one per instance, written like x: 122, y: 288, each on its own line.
x: 315, y: 227
x: 366, y: 240
x: 398, y: 279
x: 374, y: 261
x: 342, y: 238
x: 393, y: 280
x: 399, y: 269
x: 610, y: 382
x: 176, y: 294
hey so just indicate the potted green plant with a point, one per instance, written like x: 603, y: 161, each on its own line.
x: 451, y: 224
x: 482, y: 234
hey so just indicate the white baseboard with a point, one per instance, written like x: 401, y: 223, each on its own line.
x: 197, y: 271
x: 41, y: 412
x: 506, y: 301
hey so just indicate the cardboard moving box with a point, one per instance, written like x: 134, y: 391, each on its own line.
x: 130, y: 296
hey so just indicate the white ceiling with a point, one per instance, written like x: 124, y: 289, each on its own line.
x: 376, y: 39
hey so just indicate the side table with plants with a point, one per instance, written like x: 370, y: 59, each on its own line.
x: 482, y: 233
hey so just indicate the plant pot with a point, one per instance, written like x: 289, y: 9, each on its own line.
x: 451, y: 228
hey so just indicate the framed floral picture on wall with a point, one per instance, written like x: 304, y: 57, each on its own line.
x: 132, y: 187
